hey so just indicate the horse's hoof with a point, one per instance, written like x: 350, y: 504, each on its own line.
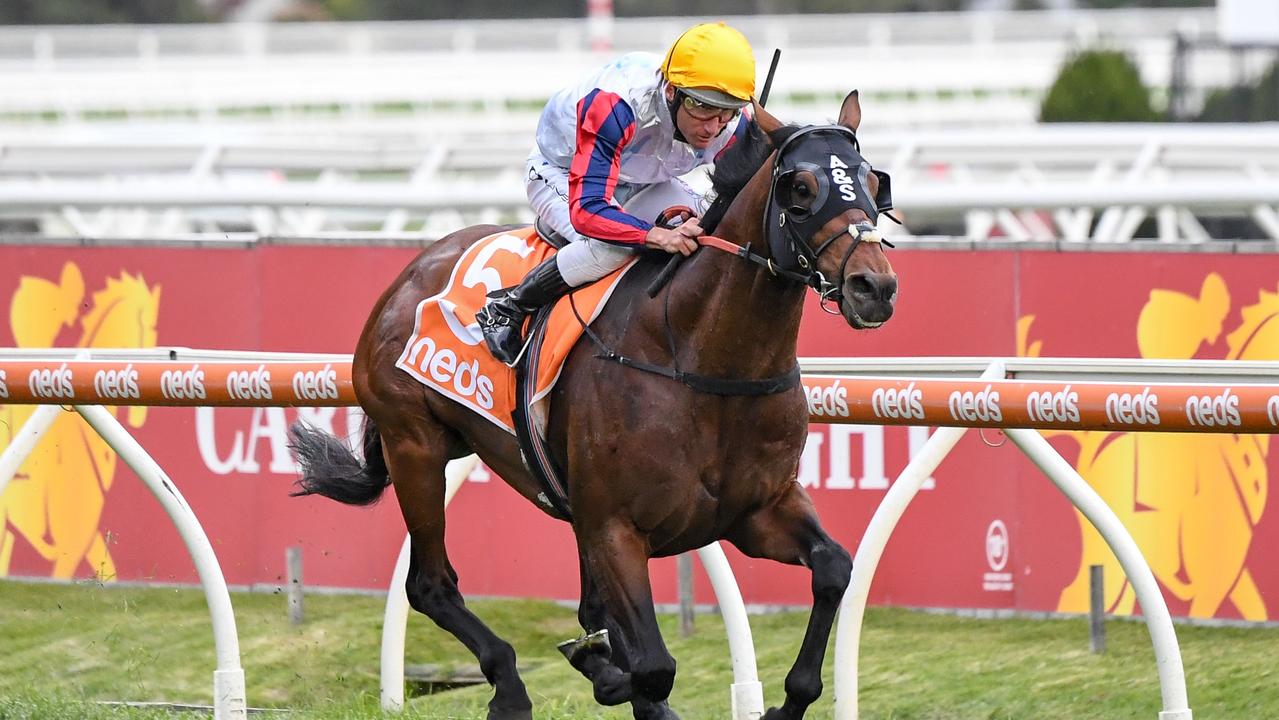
x: 595, y: 643
x: 658, y: 711
x: 508, y: 714
x: 612, y: 686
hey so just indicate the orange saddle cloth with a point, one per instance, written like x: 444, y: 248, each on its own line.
x: 446, y: 351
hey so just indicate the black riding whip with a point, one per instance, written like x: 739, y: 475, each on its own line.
x: 673, y: 264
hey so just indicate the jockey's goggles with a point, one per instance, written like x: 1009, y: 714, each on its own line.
x: 703, y: 112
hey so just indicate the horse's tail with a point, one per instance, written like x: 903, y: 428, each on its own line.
x: 330, y: 469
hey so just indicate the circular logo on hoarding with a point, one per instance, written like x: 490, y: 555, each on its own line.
x: 997, y: 545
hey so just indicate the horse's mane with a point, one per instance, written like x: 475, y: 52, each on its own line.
x: 737, y: 166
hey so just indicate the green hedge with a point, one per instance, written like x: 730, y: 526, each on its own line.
x: 1258, y: 102
x: 1098, y: 86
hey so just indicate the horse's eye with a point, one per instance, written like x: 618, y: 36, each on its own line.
x: 801, y: 190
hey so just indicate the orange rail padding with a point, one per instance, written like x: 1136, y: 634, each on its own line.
x: 192, y: 384
x: 1245, y: 408
x: 1153, y: 407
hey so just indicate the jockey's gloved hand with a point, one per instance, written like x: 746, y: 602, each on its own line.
x: 682, y: 239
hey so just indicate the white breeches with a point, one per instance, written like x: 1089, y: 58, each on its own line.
x: 585, y: 259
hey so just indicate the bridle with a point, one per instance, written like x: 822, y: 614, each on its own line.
x: 843, y: 183
x: 792, y: 258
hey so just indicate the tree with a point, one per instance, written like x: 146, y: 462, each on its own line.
x: 1098, y: 86
x: 1258, y: 102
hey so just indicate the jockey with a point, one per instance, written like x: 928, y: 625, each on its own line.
x: 607, y: 161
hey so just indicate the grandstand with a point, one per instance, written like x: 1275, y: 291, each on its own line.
x: 252, y: 130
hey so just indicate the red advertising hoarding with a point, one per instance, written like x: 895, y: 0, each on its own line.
x: 987, y: 531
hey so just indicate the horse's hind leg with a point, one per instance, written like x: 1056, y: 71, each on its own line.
x: 603, y: 662
x: 416, y: 462
x: 788, y: 531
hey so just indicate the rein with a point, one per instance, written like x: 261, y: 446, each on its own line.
x: 708, y: 384
x: 795, y: 260
x: 860, y: 232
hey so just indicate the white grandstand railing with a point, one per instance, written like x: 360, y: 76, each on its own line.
x: 1031, y: 154
x: 922, y: 69
x: 1039, y: 183
x: 1024, y: 212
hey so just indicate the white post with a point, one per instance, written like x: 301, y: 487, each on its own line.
x: 747, y: 693
x: 396, y: 618
x: 1172, y: 679
x: 228, y: 678
x: 24, y: 441
x: 852, y: 608
x: 394, y: 625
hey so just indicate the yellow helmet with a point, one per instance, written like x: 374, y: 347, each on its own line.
x: 713, y: 64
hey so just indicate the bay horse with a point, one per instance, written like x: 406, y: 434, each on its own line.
x: 655, y: 466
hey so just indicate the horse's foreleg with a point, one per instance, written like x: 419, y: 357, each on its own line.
x: 417, y: 469
x: 617, y: 560
x: 606, y: 660
x: 788, y: 531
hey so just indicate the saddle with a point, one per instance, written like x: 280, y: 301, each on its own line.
x: 537, y: 457
x: 446, y: 352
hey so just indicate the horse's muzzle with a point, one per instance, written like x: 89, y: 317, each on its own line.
x: 869, y: 298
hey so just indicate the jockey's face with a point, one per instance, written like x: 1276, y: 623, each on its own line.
x: 700, y: 124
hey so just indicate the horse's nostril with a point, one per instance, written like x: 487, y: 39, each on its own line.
x: 888, y: 289
x: 863, y: 285
x: 881, y: 287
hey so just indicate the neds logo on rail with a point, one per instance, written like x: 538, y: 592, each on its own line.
x: 183, y: 384
x: 51, y: 384
x: 249, y: 384
x: 4, y: 386
x: 316, y: 384
x: 117, y: 384
x: 898, y: 403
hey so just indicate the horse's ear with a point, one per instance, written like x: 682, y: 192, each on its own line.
x: 764, y: 119
x: 850, y: 113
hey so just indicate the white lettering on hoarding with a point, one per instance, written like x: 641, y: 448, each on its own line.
x: 1133, y: 409
x: 1054, y: 407
x: 840, y: 456
x: 998, y: 547
x: 809, y: 473
x: 972, y: 406
x: 916, y: 436
x: 1214, y: 410
x: 51, y: 384
x: 872, y: 470
x: 117, y: 384
x: 183, y: 384
x: 904, y: 404
x: 270, y: 425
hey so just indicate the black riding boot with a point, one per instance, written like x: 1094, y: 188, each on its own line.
x: 502, y: 317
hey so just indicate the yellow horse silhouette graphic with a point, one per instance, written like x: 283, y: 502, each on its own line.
x: 1190, y: 501
x: 55, y: 501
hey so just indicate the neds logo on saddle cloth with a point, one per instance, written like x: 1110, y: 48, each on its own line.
x: 446, y: 350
